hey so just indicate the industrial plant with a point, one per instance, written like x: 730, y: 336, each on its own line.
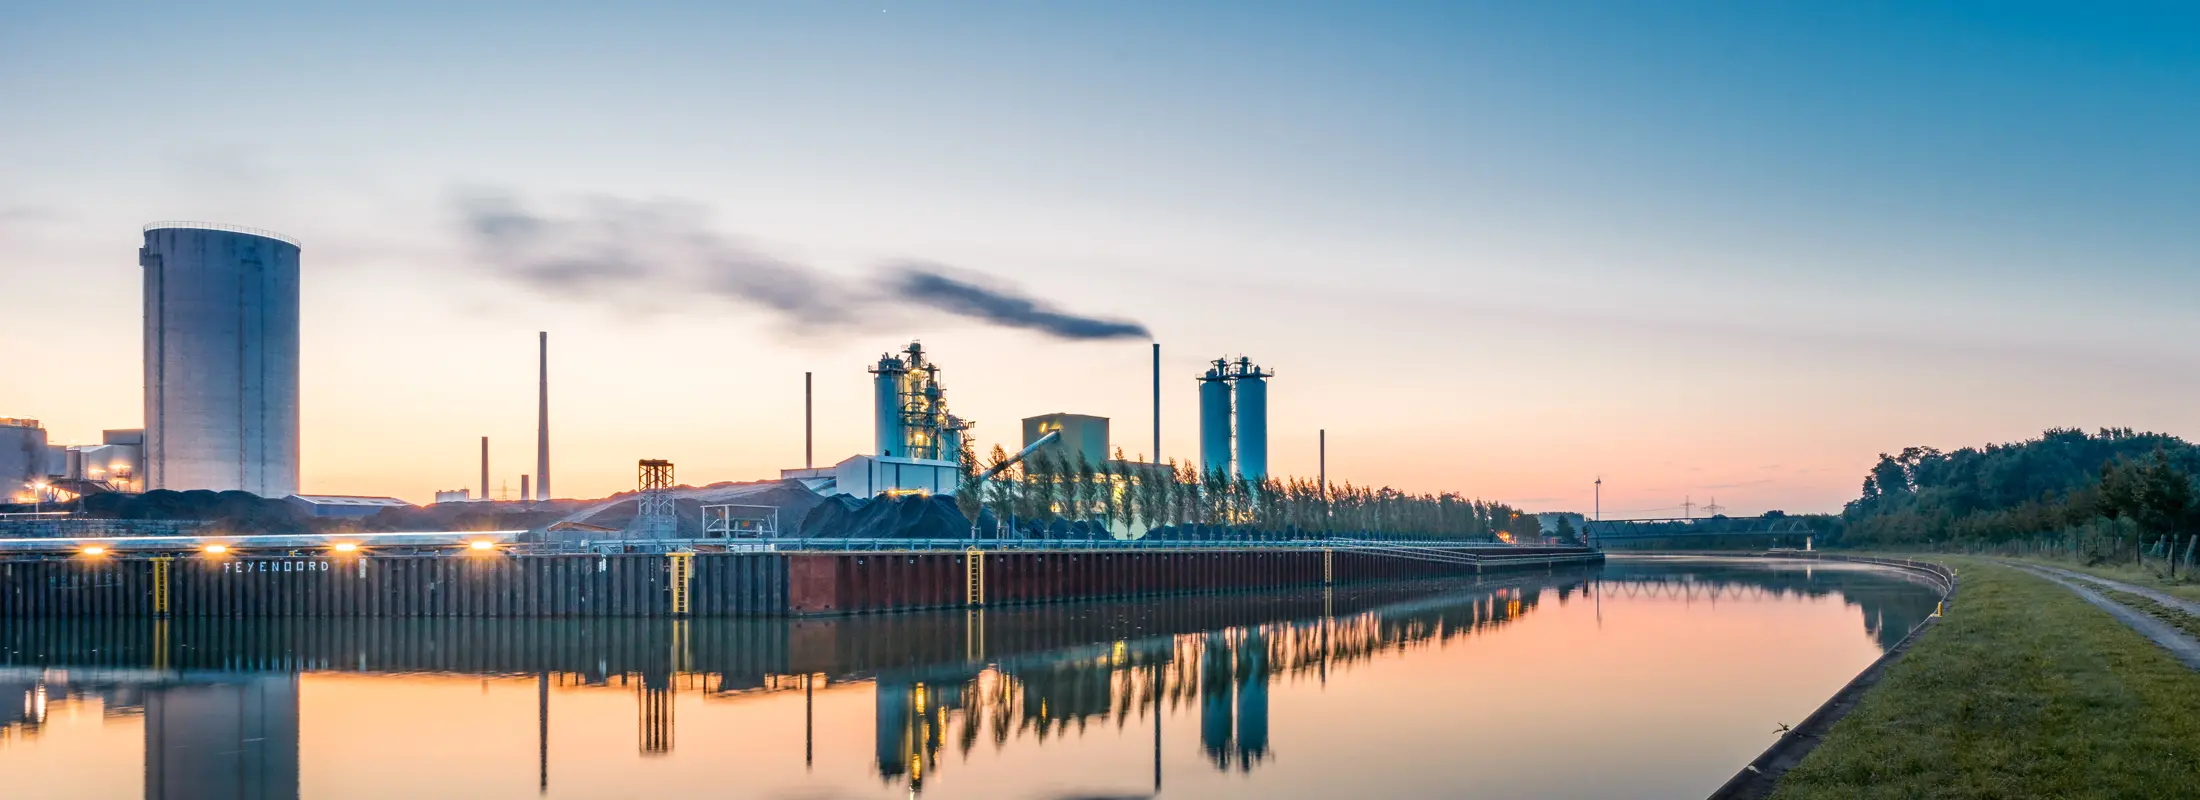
x: 165, y: 520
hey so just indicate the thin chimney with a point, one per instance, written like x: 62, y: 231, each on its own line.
x: 484, y: 467
x: 542, y: 423
x: 1157, y: 402
x: 523, y: 495
x: 809, y: 457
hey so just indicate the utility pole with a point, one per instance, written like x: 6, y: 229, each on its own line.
x: 1600, y: 498
x: 1688, y: 507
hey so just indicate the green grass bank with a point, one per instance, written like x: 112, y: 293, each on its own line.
x: 2023, y: 690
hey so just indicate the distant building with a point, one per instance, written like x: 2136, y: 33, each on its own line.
x: 454, y: 496
x: 329, y: 505
x: 1082, y: 434
x: 23, y: 459
x: 870, y: 476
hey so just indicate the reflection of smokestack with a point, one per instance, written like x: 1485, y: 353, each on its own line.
x: 542, y: 423
x: 484, y: 467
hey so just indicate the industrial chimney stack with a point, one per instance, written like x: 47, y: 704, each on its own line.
x: 542, y: 422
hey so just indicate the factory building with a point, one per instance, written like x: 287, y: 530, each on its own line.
x: 1082, y: 435
x: 910, y: 407
x: 34, y: 468
x: 116, y: 464
x: 918, y: 441
x: 1233, y: 418
x: 221, y: 359
x: 24, y: 459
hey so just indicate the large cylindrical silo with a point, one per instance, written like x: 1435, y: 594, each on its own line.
x: 221, y: 358
x: 1252, y: 425
x: 886, y: 405
x: 1214, y: 422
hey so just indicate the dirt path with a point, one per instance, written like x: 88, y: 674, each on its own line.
x: 2170, y: 600
x: 2175, y: 641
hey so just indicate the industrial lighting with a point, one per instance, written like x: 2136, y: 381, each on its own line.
x: 216, y: 549
x: 346, y: 547
x: 95, y: 550
x: 482, y: 544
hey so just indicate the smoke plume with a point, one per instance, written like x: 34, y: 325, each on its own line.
x: 641, y: 253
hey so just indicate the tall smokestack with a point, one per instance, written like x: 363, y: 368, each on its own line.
x: 542, y: 422
x: 484, y: 467
x: 809, y: 460
x: 1157, y: 402
x: 523, y: 495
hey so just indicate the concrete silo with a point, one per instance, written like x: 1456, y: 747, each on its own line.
x: 886, y: 380
x: 221, y: 358
x: 1214, y: 419
x: 1252, y: 420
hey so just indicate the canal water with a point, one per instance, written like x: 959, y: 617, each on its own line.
x: 1646, y: 677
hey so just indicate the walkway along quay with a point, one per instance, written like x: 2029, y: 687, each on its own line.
x: 494, y: 575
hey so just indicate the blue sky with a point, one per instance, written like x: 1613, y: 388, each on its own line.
x: 1700, y: 248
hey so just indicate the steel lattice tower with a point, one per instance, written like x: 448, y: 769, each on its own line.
x: 655, y: 516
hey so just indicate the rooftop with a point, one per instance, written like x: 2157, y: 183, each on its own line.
x: 224, y: 227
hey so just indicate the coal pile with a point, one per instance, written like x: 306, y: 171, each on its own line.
x: 885, y: 517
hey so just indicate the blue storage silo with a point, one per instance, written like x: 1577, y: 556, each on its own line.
x: 1252, y: 423
x: 886, y: 405
x: 1214, y: 420
x: 221, y: 358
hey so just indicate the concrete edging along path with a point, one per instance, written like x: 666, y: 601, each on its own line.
x: 1759, y: 777
x: 2175, y: 641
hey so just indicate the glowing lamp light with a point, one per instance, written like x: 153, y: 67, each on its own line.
x: 216, y: 549
x: 482, y: 544
x: 95, y: 550
x: 346, y: 547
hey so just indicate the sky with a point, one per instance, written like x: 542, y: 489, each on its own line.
x: 1701, y: 250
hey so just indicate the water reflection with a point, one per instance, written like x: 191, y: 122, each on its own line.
x: 221, y: 710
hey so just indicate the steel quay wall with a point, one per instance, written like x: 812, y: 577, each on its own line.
x: 677, y: 585
x: 394, y: 586
x: 852, y: 583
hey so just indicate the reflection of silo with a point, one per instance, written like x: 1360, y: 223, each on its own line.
x: 1252, y: 423
x: 1214, y: 420
x: 886, y: 405
x: 1252, y: 699
x: 893, y: 738
x: 232, y: 739
x: 1215, y: 687
x: 221, y: 359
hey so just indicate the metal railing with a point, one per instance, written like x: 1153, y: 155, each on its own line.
x: 223, y: 227
x: 1436, y: 550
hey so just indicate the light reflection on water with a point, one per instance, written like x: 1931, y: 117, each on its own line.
x: 1646, y: 677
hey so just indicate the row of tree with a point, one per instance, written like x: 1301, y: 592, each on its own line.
x: 2062, y: 481
x: 1120, y: 495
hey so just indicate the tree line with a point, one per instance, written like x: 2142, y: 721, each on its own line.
x: 2115, y: 482
x: 1182, y: 501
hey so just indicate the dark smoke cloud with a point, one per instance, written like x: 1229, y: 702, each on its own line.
x: 924, y: 283
x: 624, y: 252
